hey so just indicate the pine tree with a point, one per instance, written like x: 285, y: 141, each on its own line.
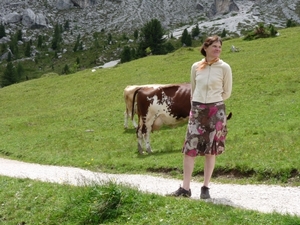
x: 28, y: 49
x: 186, y: 38
x: 183, y: 36
x: 9, y: 75
x: 19, y: 35
x: 109, y: 39
x: 96, y: 40
x: 77, y: 44
x: 13, y: 46
x: 151, y: 36
x: 57, y: 38
x: 195, y: 31
x: 290, y: 23
x: 126, y: 55
x: 40, y: 41
x: 223, y: 33
x: 273, y: 31
x: 136, y: 34
x: 66, y: 69
x: 133, y: 53
x: 66, y: 25
x: 9, y: 57
x: 3, y: 48
x: 20, y: 71
x: 2, y: 31
x: 169, y: 47
x: 189, y: 41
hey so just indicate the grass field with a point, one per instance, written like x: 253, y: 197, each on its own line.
x: 77, y: 120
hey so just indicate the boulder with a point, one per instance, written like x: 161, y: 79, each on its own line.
x: 28, y: 18
x: 5, y: 40
x: 64, y: 4
x: 31, y: 20
x: 13, y: 17
x: 40, y: 21
x: 199, y: 7
x: 84, y: 3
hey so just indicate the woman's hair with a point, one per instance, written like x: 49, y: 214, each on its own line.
x: 209, y: 41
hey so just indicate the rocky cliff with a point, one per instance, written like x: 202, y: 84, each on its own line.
x: 124, y: 16
x: 86, y: 17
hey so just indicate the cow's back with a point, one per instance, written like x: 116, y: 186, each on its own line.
x: 130, y: 89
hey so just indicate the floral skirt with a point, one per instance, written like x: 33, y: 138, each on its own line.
x: 206, y: 131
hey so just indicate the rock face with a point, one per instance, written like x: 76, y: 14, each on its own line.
x: 86, y: 17
x: 68, y: 4
x: 223, y: 7
x: 64, y: 4
x: 84, y: 3
x: 91, y: 16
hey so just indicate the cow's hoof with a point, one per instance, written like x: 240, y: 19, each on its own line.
x: 141, y: 151
x: 149, y: 151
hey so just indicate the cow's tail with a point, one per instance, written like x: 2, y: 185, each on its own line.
x: 133, y: 102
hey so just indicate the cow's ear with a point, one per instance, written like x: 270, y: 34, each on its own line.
x: 229, y: 116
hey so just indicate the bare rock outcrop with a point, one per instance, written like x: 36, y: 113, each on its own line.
x: 13, y: 17
x: 222, y: 7
x: 67, y: 4
x: 32, y: 20
x: 84, y: 3
x: 64, y: 4
x: 28, y: 18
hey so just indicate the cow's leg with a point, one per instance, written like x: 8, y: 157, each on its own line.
x: 147, y: 140
x: 140, y: 140
x: 126, y: 116
x: 134, y: 123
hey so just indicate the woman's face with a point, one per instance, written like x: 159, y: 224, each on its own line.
x: 214, y: 50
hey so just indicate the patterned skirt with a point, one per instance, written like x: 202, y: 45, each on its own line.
x: 206, y: 131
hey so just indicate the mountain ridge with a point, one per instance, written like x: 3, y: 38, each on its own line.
x: 126, y: 16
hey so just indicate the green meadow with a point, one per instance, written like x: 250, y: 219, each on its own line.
x: 77, y: 120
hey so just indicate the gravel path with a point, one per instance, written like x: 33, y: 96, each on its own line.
x: 263, y: 198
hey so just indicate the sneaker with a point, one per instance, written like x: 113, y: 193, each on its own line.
x: 204, y: 193
x: 181, y: 192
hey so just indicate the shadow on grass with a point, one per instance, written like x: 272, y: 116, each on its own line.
x: 162, y: 128
x: 158, y: 153
x: 129, y: 131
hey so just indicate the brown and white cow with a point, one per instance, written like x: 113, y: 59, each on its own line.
x: 128, y: 97
x: 168, y: 104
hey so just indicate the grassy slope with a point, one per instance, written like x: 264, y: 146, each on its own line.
x: 49, y: 120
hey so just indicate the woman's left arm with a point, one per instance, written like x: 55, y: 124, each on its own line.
x: 227, y: 82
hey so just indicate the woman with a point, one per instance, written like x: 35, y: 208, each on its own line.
x: 211, y: 84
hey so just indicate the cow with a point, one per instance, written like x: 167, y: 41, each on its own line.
x: 161, y: 105
x: 128, y: 97
x: 164, y: 105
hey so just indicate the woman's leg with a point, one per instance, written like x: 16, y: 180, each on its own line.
x: 188, y: 167
x: 209, y: 166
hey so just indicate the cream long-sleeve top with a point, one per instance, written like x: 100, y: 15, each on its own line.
x: 211, y: 84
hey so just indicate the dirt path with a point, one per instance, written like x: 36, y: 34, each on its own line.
x: 263, y: 198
